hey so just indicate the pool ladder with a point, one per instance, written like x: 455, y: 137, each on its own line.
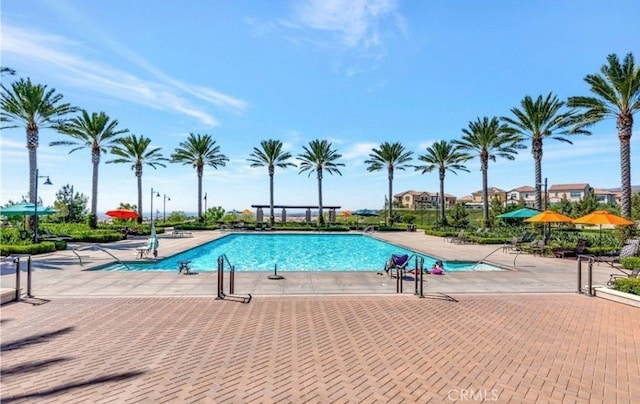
x: 222, y: 260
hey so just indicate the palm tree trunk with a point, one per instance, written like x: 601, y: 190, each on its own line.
x: 536, y: 150
x: 320, y: 216
x: 271, y: 212
x: 32, y: 146
x: 95, y: 159
x: 485, y: 194
x: 200, y: 170
x: 139, y: 178
x: 442, y: 175
x: 390, y: 195
x: 625, y: 169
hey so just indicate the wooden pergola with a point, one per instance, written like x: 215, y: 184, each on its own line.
x: 260, y: 211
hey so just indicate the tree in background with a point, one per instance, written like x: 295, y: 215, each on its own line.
x: 34, y: 107
x: 540, y: 119
x: 319, y: 157
x: 135, y: 150
x: 443, y: 156
x: 96, y: 132
x: 71, y: 206
x: 199, y: 151
x: 270, y: 155
x: 392, y: 156
x: 489, y: 139
x: 617, y: 95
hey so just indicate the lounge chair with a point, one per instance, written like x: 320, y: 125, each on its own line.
x: 52, y: 237
x: 628, y: 250
x: 459, y: 239
x: 579, y: 249
x: 635, y: 273
x: 398, y: 263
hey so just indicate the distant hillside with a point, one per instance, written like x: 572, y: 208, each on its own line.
x: 634, y: 189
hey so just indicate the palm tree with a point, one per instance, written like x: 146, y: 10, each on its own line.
x: 617, y: 95
x: 96, y: 132
x: 319, y: 157
x: 198, y: 151
x: 392, y: 157
x: 538, y: 120
x: 35, y: 107
x: 489, y: 139
x: 270, y: 155
x: 444, y: 156
x: 135, y: 150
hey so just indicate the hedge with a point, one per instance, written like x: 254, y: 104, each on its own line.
x: 627, y: 285
x: 40, y: 248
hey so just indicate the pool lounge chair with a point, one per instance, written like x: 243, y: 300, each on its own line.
x: 52, y: 237
x: 628, y: 250
x: 579, y: 249
x: 633, y: 274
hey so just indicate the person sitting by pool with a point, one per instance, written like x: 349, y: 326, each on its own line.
x: 437, y: 268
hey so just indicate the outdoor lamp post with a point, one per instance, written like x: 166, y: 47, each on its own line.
x: 35, y: 205
x: 152, y: 195
x: 164, y: 207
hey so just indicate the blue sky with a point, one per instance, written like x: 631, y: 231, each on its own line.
x: 357, y: 73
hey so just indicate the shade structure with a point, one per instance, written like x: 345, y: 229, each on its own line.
x: 365, y: 212
x: 25, y: 209
x: 601, y: 217
x: 549, y: 216
x: 523, y: 213
x: 122, y: 213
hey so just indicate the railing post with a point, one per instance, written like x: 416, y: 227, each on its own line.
x: 29, y: 277
x: 16, y: 261
x: 232, y: 272
x: 220, y: 279
x: 579, y: 274
x: 590, y: 277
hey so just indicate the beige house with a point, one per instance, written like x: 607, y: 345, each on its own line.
x: 525, y: 194
x: 422, y: 199
x: 605, y: 196
x: 493, y: 192
x: 572, y: 192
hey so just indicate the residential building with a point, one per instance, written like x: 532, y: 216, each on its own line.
x: 422, y: 199
x: 605, y: 196
x: 525, y: 194
x: 493, y: 192
x: 572, y: 192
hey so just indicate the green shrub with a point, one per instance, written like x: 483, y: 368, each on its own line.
x: 627, y: 285
x: 630, y: 262
x: 40, y: 248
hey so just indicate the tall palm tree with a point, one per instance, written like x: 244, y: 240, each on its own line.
x: 489, y: 139
x: 35, y: 107
x: 96, y: 132
x: 270, y: 155
x: 540, y: 119
x: 392, y: 157
x: 319, y: 157
x: 198, y: 151
x: 443, y: 156
x: 135, y: 150
x: 617, y: 95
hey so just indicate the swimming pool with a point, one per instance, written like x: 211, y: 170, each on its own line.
x: 292, y: 252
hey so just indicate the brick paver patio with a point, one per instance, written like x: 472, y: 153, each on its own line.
x: 519, y: 348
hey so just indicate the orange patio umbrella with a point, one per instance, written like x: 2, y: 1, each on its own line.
x: 549, y: 216
x: 600, y: 217
x: 346, y: 213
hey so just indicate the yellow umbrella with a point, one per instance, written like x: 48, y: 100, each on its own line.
x: 549, y: 216
x: 601, y: 217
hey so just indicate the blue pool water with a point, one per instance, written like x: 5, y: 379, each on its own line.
x: 292, y: 252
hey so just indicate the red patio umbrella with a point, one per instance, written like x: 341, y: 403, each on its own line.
x: 122, y: 213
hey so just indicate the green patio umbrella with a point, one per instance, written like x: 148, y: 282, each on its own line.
x: 523, y: 213
x: 26, y: 209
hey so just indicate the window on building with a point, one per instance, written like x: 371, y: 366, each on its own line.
x: 575, y: 194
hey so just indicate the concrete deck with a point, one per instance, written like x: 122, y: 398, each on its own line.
x: 522, y: 336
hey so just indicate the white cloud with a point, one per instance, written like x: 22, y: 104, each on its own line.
x: 64, y: 60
